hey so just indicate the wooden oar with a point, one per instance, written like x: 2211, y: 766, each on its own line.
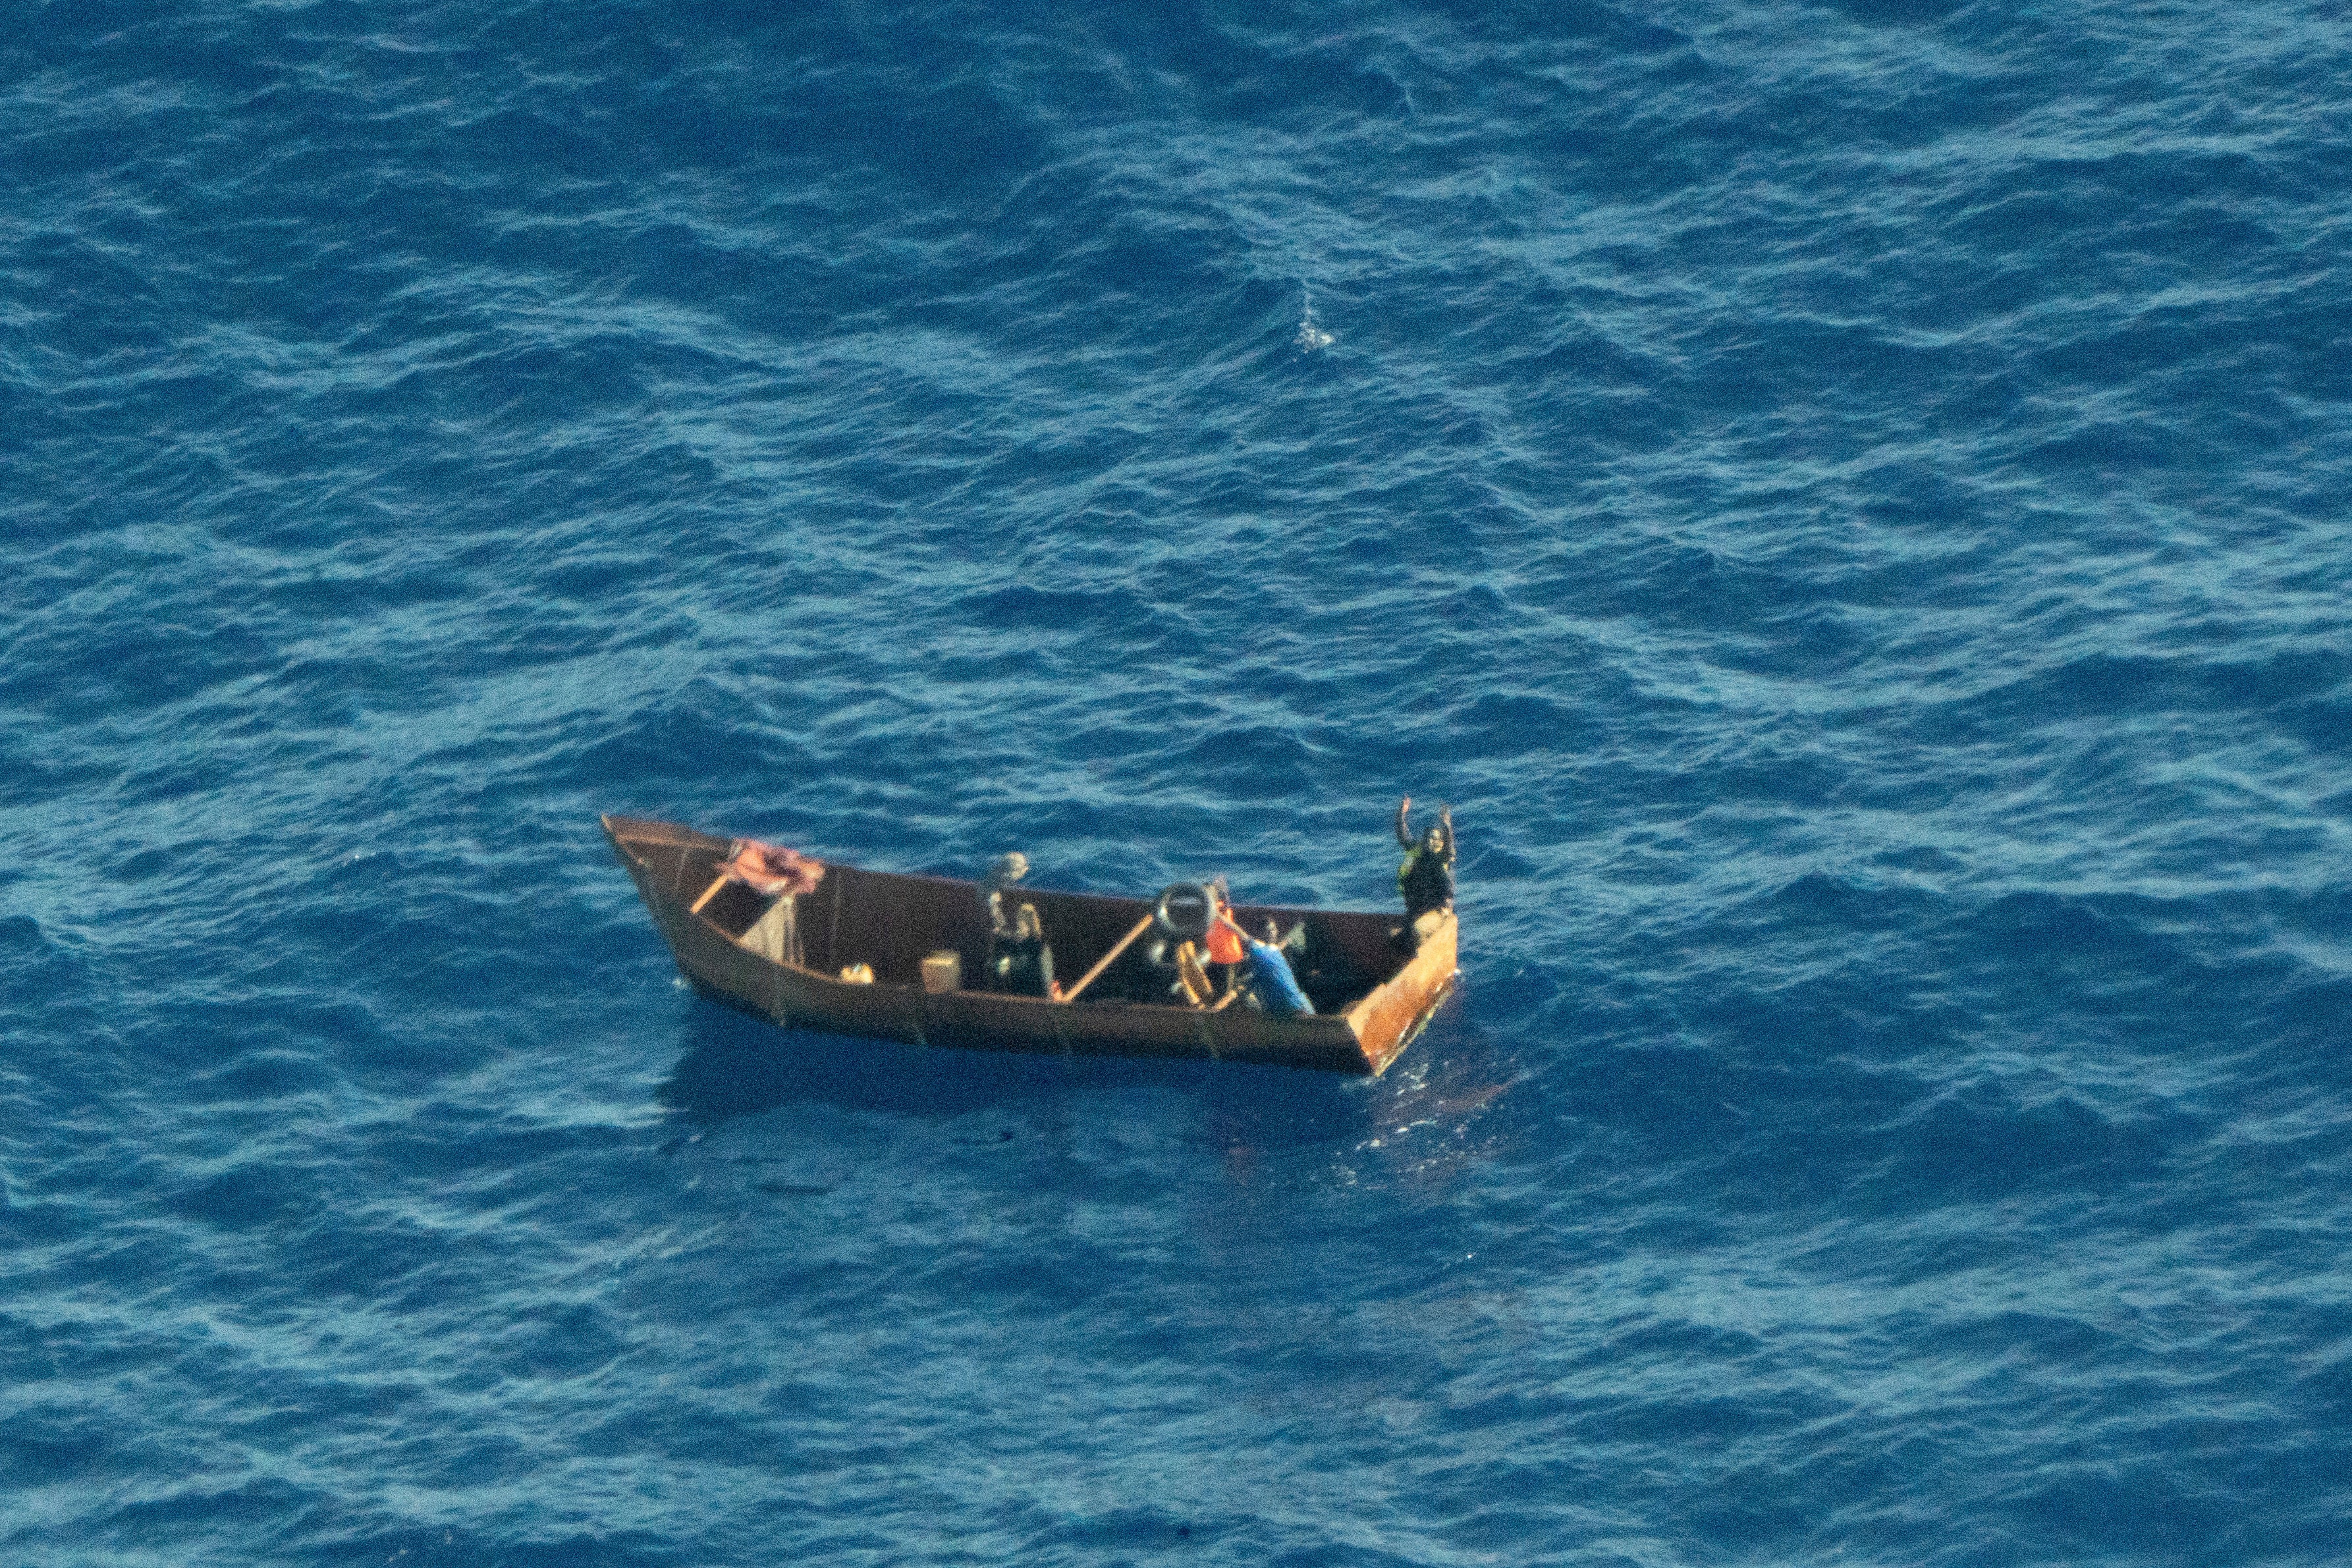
x: 1104, y: 962
x: 708, y: 893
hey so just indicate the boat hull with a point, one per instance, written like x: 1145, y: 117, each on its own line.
x: 898, y: 917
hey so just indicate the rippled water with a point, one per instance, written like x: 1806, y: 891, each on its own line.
x: 1845, y: 499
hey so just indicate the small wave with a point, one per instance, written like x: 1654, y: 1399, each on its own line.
x: 1312, y: 335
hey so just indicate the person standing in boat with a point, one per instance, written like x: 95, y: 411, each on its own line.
x: 1020, y: 961
x: 1425, y: 879
x: 1008, y: 870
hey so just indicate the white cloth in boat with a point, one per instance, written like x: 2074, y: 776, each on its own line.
x: 775, y: 935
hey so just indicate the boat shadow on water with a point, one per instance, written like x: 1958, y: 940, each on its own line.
x: 735, y: 1066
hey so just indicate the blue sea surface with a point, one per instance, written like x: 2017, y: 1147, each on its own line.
x: 1846, y: 499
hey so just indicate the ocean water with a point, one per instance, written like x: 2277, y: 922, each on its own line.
x: 1846, y: 499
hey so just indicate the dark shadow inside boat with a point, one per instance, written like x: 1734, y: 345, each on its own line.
x: 737, y: 1065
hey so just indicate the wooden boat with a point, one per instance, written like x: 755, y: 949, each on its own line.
x: 1370, y: 1000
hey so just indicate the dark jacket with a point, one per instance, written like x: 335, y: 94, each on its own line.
x: 1426, y: 880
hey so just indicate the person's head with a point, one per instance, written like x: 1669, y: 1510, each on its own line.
x: 1009, y: 869
x: 1434, y: 840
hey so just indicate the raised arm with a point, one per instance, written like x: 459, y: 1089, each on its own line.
x: 1445, y: 820
x: 1403, y: 825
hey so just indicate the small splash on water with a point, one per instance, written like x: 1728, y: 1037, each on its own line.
x: 1311, y: 336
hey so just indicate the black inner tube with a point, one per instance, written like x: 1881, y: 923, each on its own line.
x: 1185, y: 910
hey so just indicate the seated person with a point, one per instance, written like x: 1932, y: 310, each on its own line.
x: 1020, y: 962
x: 1270, y: 986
